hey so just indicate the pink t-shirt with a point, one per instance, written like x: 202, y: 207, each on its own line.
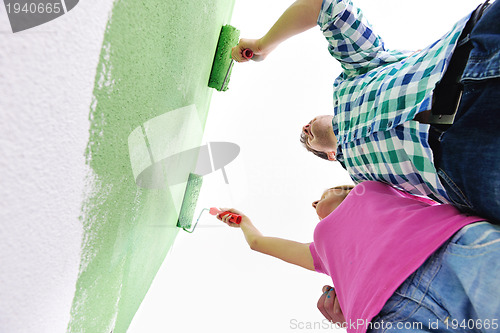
x: 374, y: 240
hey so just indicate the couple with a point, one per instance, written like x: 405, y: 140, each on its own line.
x: 393, y: 255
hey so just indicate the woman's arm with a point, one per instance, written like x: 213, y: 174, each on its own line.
x: 299, y: 17
x: 290, y: 251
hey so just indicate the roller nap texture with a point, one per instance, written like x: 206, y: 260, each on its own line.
x: 222, y: 65
x: 191, y: 194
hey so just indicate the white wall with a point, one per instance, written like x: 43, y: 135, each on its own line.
x: 46, y: 81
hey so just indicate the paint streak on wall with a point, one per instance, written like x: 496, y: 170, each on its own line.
x: 156, y: 57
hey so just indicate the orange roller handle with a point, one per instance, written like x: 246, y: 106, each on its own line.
x: 247, y: 54
x: 235, y: 218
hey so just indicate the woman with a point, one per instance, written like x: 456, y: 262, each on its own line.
x: 397, y: 259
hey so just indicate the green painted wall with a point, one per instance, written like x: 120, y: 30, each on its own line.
x: 156, y: 57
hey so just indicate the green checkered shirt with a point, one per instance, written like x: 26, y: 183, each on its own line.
x: 376, y: 98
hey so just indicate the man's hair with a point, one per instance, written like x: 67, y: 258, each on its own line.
x: 303, y: 139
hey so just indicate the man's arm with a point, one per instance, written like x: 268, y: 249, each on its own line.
x: 290, y: 251
x: 299, y: 17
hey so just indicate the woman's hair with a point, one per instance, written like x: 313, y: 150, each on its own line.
x: 303, y: 139
x: 342, y: 187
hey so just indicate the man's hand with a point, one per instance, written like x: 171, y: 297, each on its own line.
x: 329, y: 306
x: 253, y: 44
x: 299, y: 17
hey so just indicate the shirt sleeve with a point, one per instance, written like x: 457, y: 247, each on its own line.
x: 351, y: 38
x: 318, y: 264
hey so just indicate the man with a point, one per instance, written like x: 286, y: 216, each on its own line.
x: 385, y: 100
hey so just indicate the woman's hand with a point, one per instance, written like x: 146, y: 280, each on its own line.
x: 253, y: 44
x: 329, y: 306
x: 284, y: 249
x: 225, y: 217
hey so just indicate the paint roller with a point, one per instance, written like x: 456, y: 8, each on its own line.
x: 223, y: 63
x: 188, y: 206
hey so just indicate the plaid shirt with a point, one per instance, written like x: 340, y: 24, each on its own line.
x: 376, y: 98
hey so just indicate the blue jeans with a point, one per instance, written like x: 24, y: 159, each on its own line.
x: 470, y: 162
x: 456, y: 290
